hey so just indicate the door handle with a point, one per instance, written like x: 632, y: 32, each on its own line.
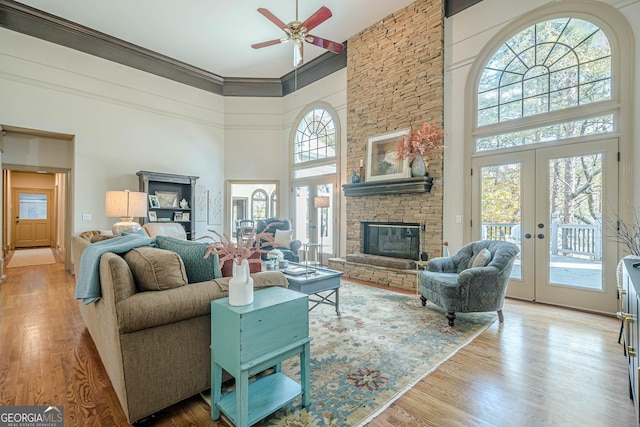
x: 540, y: 225
x: 540, y: 236
x: 527, y: 236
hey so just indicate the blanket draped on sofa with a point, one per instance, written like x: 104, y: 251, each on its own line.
x: 88, y: 280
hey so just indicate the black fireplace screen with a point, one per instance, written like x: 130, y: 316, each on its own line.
x: 395, y: 240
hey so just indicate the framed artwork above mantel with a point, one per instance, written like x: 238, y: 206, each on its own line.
x: 383, y: 163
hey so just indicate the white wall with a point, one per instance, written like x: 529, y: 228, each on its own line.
x: 259, y: 131
x: 466, y: 34
x: 123, y: 120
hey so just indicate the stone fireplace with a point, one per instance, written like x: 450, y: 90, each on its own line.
x: 394, y: 80
x: 394, y: 240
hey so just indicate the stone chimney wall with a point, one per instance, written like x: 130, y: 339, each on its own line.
x: 395, y: 73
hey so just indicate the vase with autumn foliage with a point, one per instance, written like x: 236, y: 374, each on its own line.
x: 418, y: 143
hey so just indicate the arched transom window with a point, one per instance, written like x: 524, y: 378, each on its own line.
x: 314, y: 145
x: 559, y: 64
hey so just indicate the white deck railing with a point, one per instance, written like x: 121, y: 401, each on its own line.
x: 566, y: 239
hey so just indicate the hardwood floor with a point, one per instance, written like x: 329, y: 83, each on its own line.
x: 544, y: 366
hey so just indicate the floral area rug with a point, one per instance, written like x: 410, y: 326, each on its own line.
x: 383, y: 343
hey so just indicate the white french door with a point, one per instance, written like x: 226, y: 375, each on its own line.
x: 552, y: 202
x: 314, y: 217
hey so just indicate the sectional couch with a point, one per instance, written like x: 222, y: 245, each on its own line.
x: 153, y: 337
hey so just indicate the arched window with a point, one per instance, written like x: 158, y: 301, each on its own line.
x: 561, y: 64
x: 259, y: 205
x: 314, y: 145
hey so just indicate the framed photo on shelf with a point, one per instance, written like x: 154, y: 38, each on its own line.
x: 382, y: 159
x: 177, y: 216
x: 186, y: 216
x: 153, y: 201
x: 167, y: 199
x: 153, y: 217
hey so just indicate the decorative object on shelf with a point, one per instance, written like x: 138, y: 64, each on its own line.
x: 354, y: 178
x: 167, y: 199
x: 383, y: 162
x: 126, y: 205
x: 186, y: 216
x: 184, y: 204
x: 165, y: 193
x: 420, y: 142
x: 240, y: 287
x: 153, y: 217
x: 153, y: 201
x: 177, y: 216
x: 418, y: 167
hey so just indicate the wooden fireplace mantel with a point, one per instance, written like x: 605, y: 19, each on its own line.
x: 419, y: 184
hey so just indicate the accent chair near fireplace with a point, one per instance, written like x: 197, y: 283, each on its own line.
x: 474, y: 279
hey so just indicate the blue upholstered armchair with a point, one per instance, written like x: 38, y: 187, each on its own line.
x: 474, y: 279
x: 288, y: 246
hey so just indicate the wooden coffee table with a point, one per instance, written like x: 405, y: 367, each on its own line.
x: 320, y: 282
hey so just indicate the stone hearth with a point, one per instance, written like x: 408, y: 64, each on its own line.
x: 386, y: 276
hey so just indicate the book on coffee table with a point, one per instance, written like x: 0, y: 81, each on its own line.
x: 295, y: 271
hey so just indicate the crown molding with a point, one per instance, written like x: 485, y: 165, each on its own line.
x: 36, y: 23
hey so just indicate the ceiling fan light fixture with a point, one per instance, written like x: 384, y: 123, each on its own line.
x: 297, y: 31
x: 298, y: 51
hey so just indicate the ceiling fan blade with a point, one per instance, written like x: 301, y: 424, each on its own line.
x: 326, y: 44
x: 269, y: 43
x: 273, y: 18
x: 317, y: 18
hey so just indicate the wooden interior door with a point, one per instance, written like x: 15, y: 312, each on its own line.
x: 32, y: 210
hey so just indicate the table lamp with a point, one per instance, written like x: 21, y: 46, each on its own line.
x: 127, y: 205
x: 322, y: 203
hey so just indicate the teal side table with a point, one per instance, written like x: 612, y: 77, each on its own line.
x: 247, y: 340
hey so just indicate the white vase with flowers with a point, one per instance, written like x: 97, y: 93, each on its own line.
x: 241, y: 283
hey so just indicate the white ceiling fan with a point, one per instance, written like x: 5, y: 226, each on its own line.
x: 298, y: 32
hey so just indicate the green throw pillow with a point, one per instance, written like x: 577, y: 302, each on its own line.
x: 198, y: 268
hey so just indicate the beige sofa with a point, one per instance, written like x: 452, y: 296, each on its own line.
x: 154, y: 344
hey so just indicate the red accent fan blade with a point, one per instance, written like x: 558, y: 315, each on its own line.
x: 269, y: 43
x: 317, y: 18
x: 326, y: 44
x: 273, y: 18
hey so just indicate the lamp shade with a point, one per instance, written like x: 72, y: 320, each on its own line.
x: 321, y: 202
x: 126, y: 205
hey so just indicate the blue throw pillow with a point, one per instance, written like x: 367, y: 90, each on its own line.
x: 198, y: 268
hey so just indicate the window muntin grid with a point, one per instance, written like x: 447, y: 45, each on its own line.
x: 315, y: 137
x: 554, y: 132
x: 550, y: 66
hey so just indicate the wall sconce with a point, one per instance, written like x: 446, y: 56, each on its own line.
x: 126, y: 205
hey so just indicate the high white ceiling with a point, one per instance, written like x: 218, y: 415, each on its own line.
x: 216, y: 35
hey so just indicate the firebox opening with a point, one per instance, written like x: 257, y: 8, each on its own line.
x: 395, y: 240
